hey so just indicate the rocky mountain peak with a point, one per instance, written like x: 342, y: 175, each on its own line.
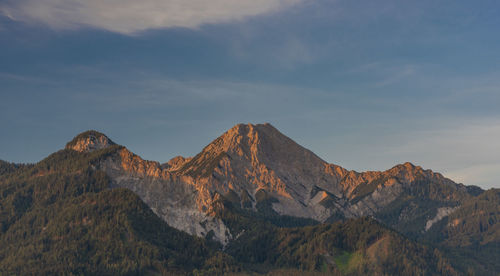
x: 406, y: 167
x: 408, y: 172
x: 89, y: 141
x: 257, y: 157
x: 256, y: 146
x: 244, y: 136
x: 261, y: 142
x: 258, y: 168
x: 409, y: 166
x: 176, y: 163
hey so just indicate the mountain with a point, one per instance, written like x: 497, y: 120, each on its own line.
x: 59, y: 217
x: 471, y: 233
x: 353, y: 247
x: 238, y: 198
x: 263, y: 170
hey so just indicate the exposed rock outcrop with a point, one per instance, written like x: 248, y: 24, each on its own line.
x: 441, y: 213
x: 89, y: 141
x: 252, y: 164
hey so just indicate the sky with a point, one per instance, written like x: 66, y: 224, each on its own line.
x: 363, y: 84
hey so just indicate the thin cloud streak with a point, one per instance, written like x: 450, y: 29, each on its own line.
x: 466, y: 152
x: 484, y: 175
x: 130, y: 16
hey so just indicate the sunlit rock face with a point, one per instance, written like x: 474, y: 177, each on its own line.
x: 176, y: 163
x: 251, y: 164
x: 249, y: 158
x: 173, y: 198
x: 89, y: 141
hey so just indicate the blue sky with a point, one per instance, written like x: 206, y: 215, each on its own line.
x: 364, y: 84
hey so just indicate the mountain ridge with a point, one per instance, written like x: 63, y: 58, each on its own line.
x: 265, y: 171
x: 244, y: 191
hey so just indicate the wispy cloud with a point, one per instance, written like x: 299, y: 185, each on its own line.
x: 484, y: 175
x: 23, y: 78
x: 131, y: 16
x: 287, y: 53
x: 467, y: 151
x: 404, y: 73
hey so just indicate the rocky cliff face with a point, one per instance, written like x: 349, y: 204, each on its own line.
x: 252, y: 158
x: 174, y: 198
x: 256, y: 164
x: 89, y: 141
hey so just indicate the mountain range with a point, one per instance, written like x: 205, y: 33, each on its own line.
x: 252, y: 201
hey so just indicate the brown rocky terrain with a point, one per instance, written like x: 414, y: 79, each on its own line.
x: 253, y: 164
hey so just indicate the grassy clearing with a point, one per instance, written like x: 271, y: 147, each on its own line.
x: 348, y: 261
